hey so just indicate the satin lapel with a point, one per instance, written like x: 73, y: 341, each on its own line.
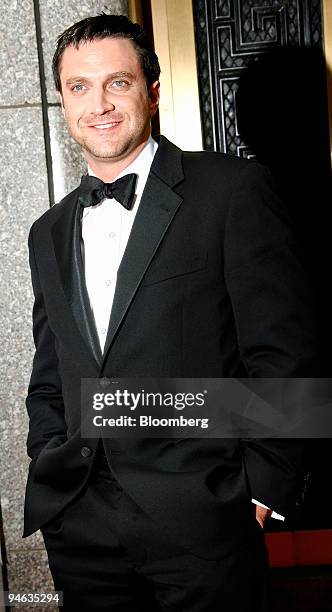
x: 66, y: 234
x: 157, y: 208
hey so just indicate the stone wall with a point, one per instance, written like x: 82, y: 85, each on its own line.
x: 39, y: 164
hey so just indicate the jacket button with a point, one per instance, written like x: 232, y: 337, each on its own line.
x: 86, y: 451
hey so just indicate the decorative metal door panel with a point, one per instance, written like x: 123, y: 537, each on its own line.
x: 230, y: 34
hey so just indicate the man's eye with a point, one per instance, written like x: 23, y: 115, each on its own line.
x: 78, y: 87
x: 120, y: 84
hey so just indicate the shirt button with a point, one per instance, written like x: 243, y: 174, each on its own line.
x: 103, y: 330
x: 108, y: 283
x: 112, y: 234
x: 86, y: 451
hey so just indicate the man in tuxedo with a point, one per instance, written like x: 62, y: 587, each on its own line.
x: 162, y: 263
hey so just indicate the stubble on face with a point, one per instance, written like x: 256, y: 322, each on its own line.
x: 96, y: 69
x: 109, y: 148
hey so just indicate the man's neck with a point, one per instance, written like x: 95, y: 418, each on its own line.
x: 107, y: 169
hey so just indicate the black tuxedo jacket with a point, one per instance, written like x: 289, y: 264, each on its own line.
x: 210, y: 285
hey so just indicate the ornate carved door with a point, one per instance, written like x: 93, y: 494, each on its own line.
x: 230, y: 36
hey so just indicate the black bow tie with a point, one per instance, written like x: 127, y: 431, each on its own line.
x: 92, y: 190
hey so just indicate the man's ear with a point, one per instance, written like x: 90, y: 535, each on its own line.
x: 59, y: 95
x: 154, y: 94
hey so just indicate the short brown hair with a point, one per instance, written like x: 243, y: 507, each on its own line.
x: 108, y: 26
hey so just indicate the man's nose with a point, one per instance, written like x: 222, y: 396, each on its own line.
x: 101, y: 102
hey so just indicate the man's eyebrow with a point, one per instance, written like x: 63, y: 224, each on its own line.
x: 112, y: 75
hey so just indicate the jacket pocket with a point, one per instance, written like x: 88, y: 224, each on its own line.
x: 159, y: 273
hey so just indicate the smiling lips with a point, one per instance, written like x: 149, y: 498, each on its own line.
x: 104, y: 126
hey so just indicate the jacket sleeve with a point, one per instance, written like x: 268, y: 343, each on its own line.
x: 44, y: 401
x: 273, y: 310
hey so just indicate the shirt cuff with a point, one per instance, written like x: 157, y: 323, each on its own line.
x: 274, y: 515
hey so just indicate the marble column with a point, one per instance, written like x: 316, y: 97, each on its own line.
x: 39, y: 164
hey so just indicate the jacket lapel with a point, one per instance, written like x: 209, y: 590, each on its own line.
x: 157, y: 208
x: 66, y: 233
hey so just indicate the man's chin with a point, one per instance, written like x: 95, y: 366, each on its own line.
x: 104, y: 153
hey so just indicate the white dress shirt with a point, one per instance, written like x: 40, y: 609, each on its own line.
x: 106, y: 229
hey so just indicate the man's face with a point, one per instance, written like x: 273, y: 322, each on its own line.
x: 105, y: 99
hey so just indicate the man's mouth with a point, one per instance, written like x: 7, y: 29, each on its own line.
x: 105, y: 126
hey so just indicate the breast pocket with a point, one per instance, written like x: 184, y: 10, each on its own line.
x: 174, y: 268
